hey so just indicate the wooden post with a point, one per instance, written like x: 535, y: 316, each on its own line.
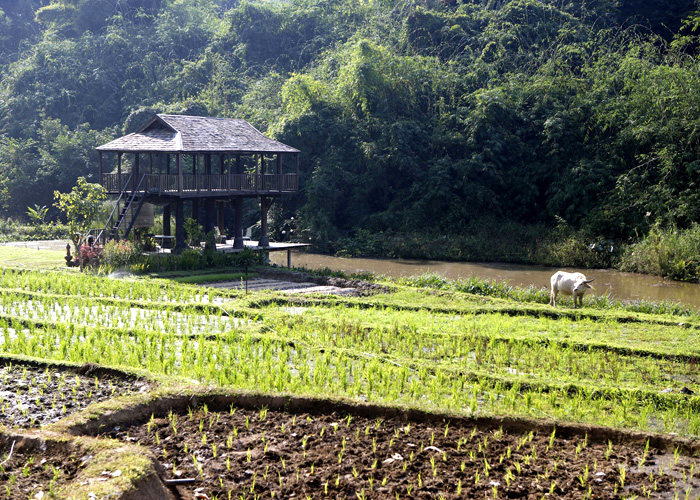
x: 265, y: 204
x: 167, y: 164
x: 179, y: 226
x: 100, y: 178
x: 258, y: 172
x: 239, y: 172
x: 209, y: 214
x: 289, y: 258
x: 207, y: 171
x: 279, y: 171
x: 150, y: 163
x: 194, y: 172
x: 238, y: 223
x: 135, y: 176
x: 195, y: 210
x: 119, y: 171
x: 180, y: 178
x: 166, y: 219
x: 297, y: 170
x: 220, y: 223
x: 224, y: 184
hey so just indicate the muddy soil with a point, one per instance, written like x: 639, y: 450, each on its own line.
x: 32, y: 396
x: 37, y: 473
x: 244, y: 453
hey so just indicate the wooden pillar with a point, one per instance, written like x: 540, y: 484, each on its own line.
x: 135, y: 176
x: 195, y: 210
x: 180, y: 178
x: 265, y: 204
x: 120, y: 186
x: 166, y: 219
x: 207, y: 171
x: 238, y: 222
x: 179, y: 226
x: 150, y: 163
x: 167, y: 163
x: 297, y: 170
x: 220, y: 223
x: 100, y: 177
x: 209, y: 214
x: 279, y: 171
x: 194, y: 172
x: 258, y: 173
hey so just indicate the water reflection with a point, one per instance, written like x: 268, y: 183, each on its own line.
x: 627, y: 286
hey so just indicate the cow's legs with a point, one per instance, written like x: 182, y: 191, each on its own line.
x: 553, y: 298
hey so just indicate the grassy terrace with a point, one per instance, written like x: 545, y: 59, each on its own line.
x: 440, y: 350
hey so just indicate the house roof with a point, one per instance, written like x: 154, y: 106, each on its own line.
x: 196, y: 134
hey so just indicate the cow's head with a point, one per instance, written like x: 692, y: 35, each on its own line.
x: 582, y: 285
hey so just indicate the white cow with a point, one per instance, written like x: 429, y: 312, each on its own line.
x: 574, y: 284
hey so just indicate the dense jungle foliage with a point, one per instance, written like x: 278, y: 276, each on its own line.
x: 413, y: 116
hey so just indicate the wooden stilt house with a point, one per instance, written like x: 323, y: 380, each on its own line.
x: 208, y: 162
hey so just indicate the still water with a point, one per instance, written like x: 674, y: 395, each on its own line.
x: 626, y: 286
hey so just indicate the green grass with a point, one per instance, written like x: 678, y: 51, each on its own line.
x: 438, y: 348
x: 29, y: 258
x: 212, y: 277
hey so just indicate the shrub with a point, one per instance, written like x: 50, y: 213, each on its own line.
x: 11, y: 230
x: 90, y: 255
x: 118, y: 254
x: 668, y: 252
x: 193, y: 259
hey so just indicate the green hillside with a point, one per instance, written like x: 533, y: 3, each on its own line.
x: 413, y: 116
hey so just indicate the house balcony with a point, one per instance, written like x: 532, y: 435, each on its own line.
x: 201, y: 185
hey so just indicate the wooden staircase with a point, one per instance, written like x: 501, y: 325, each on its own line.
x: 123, y: 216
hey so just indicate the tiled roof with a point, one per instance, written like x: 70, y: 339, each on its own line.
x: 181, y: 133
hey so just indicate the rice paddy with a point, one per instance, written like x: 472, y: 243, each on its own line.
x: 454, y: 352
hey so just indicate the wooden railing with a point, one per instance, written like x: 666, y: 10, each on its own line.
x: 169, y: 183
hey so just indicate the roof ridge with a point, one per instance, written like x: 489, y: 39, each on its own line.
x: 199, y: 116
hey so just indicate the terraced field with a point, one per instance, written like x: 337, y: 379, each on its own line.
x: 468, y: 354
x: 440, y: 351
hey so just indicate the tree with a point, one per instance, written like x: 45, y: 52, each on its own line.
x: 81, y: 207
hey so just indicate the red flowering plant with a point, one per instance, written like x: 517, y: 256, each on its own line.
x: 90, y: 255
